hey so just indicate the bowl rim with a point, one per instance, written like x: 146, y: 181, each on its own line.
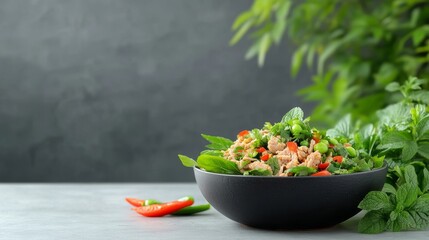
x: 297, y: 177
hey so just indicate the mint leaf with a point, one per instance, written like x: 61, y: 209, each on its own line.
x: 375, y: 200
x: 187, y: 161
x: 387, y: 188
x: 405, y: 221
x: 301, y: 171
x: 294, y: 113
x: 393, y: 87
x: 420, y: 96
x: 372, y: 222
x: 423, y: 126
x: 395, y: 140
x: 423, y: 149
x: 409, y: 150
x: 378, y: 161
x: 274, y: 164
x: 217, y: 143
x: 410, y: 175
x: 422, y: 204
x: 396, y: 115
x: 217, y: 164
x: 425, y: 181
x: 342, y: 129
x: 420, y: 218
x: 406, y: 194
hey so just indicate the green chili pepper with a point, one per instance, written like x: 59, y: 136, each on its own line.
x: 192, y: 210
x: 184, y: 211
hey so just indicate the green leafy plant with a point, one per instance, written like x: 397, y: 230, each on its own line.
x: 400, y: 137
x: 357, y: 47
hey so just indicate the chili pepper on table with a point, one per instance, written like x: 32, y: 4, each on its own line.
x: 162, y: 209
x: 184, y: 211
x: 192, y: 210
x: 135, y: 202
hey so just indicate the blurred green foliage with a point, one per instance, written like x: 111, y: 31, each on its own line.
x: 357, y: 47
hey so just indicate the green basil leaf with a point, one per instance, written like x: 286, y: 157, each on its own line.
x: 217, y: 143
x: 274, y: 164
x: 212, y: 152
x: 375, y: 200
x: 187, y: 161
x: 217, y: 164
x: 372, y: 222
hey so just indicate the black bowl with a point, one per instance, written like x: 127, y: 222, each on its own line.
x: 288, y: 202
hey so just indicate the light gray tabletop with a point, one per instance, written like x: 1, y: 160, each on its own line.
x: 98, y: 211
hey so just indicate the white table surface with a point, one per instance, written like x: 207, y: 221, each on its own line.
x: 98, y: 211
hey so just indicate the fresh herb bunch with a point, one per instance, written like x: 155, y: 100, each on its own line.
x: 360, y: 46
x: 401, y: 137
x: 290, y: 147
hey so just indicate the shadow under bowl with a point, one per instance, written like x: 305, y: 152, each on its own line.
x: 272, y: 202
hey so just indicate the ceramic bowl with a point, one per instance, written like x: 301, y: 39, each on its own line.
x: 272, y: 202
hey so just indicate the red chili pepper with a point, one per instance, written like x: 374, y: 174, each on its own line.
x: 135, y: 202
x: 261, y: 150
x: 243, y: 133
x: 293, y: 147
x: 323, y: 166
x: 265, y: 157
x: 316, y: 139
x: 162, y: 209
x: 338, y: 159
x: 321, y: 173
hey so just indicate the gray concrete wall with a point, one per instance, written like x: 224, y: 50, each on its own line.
x: 105, y: 90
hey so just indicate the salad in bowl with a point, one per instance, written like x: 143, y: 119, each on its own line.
x: 287, y: 148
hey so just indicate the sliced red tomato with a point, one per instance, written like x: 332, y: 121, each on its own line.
x: 162, y: 209
x: 243, y: 133
x: 321, y: 173
x: 135, y: 202
x: 293, y: 147
x: 261, y: 150
x: 338, y: 159
x: 323, y: 166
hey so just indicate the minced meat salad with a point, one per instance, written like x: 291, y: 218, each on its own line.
x: 287, y: 148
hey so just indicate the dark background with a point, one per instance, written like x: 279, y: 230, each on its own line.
x: 107, y: 90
